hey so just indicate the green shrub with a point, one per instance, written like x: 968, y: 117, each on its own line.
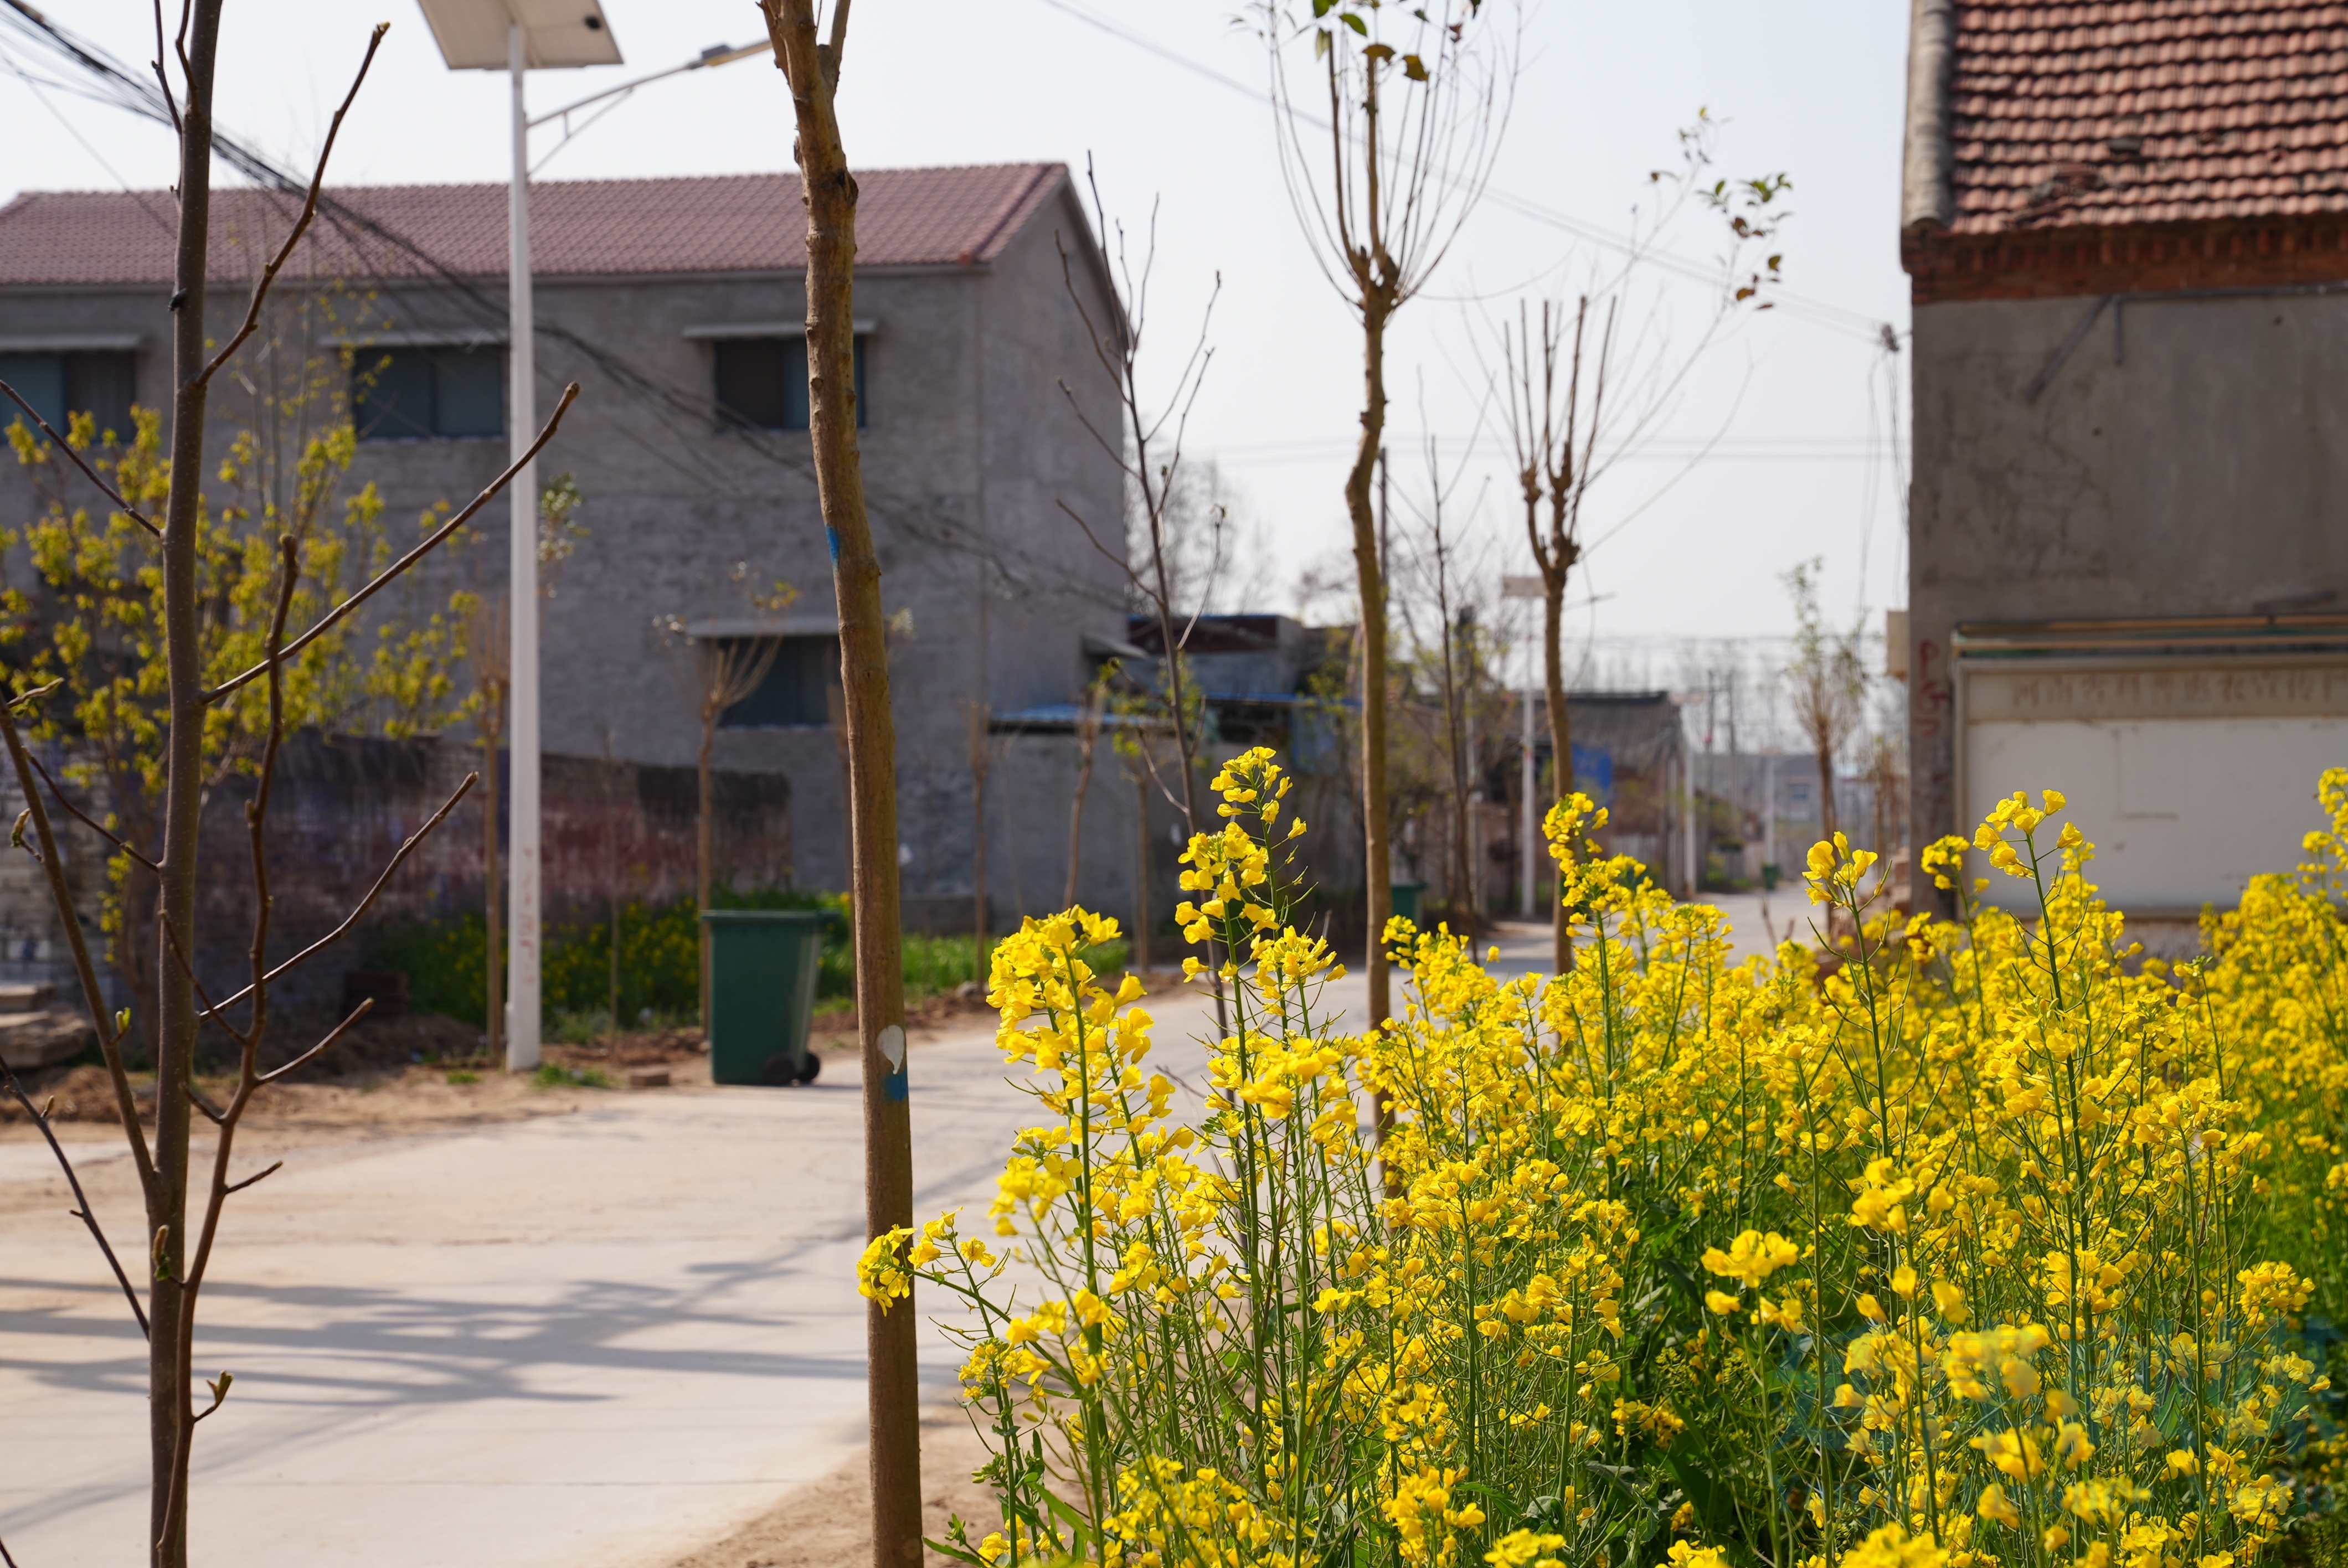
x: 659, y: 980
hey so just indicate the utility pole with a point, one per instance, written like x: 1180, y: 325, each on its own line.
x: 523, y: 883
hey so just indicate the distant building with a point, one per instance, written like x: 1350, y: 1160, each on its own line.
x: 2126, y: 232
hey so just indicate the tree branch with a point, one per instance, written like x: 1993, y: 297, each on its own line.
x: 40, y: 1118
x: 270, y: 1170
x: 327, y: 621
x: 366, y: 1005
x: 125, y: 507
x: 407, y: 848
x: 301, y: 225
x: 82, y: 816
x: 109, y: 1039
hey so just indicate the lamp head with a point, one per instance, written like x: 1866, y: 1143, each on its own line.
x: 556, y: 34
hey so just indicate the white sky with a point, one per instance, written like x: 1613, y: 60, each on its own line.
x: 1803, y: 466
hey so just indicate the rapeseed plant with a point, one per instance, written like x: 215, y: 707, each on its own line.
x: 1942, y: 1243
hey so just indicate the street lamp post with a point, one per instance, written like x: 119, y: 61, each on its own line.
x: 517, y: 37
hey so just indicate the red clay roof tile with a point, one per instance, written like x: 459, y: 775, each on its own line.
x: 2139, y: 111
x: 724, y: 224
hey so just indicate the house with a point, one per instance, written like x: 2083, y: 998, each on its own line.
x: 2125, y: 228
x: 678, y: 304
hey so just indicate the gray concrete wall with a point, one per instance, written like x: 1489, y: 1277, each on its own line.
x: 970, y: 448
x: 2189, y: 458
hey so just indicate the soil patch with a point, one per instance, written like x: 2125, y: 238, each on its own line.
x: 829, y: 1521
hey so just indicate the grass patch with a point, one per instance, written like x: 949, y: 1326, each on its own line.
x: 660, y: 983
x: 461, y: 1077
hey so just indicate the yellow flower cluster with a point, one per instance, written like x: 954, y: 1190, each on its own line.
x: 1947, y: 1243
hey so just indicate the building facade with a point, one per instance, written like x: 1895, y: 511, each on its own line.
x: 2126, y: 232
x: 678, y: 306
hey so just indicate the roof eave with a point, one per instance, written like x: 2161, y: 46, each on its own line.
x: 1927, y: 200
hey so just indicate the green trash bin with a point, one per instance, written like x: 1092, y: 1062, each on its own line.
x: 762, y: 973
x: 1405, y: 900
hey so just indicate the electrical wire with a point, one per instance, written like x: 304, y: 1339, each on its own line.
x: 1818, y: 313
x: 685, y: 415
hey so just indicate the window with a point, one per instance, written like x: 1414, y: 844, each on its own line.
x: 418, y: 394
x: 62, y: 384
x: 797, y: 691
x: 762, y: 383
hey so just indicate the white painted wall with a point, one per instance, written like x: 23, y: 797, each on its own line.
x: 2182, y: 811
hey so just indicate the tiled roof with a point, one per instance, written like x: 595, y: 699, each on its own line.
x: 724, y: 223
x: 2146, y: 112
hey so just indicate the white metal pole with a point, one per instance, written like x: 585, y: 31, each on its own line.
x: 1531, y: 822
x: 521, y: 729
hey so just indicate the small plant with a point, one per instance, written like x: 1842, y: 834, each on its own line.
x: 460, y: 1077
x: 554, y: 1075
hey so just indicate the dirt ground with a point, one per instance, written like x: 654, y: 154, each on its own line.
x: 422, y: 1072
x: 828, y: 1524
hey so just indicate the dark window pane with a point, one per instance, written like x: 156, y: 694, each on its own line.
x: 100, y: 386
x: 391, y: 393
x: 762, y: 383
x: 409, y: 393
x: 797, y: 691
x: 754, y: 384
x: 795, y: 387
x: 40, y: 380
x: 468, y: 392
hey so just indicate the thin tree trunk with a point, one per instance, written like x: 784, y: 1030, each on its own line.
x: 701, y: 853
x: 1142, y: 919
x: 830, y: 191
x: 170, y: 1412
x: 494, y: 959
x: 1826, y: 793
x: 1376, y: 856
x: 1456, y: 742
x: 975, y: 717
x: 1560, y: 741
x: 1077, y: 817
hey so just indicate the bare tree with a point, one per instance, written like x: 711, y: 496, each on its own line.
x: 893, y: 1381
x: 1451, y: 656
x: 1826, y: 681
x: 618, y: 819
x: 1130, y: 747
x: 977, y: 719
x: 180, y: 1254
x: 1383, y: 185
x: 1148, y: 447
x: 1566, y: 431
x: 489, y: 651
x: 1091, y: 710
x: 725, y: 671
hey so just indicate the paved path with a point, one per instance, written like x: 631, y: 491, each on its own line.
x: 596, y: 1339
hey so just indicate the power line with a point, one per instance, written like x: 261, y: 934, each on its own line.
x: 1818, y: 313
x: 924, y: 518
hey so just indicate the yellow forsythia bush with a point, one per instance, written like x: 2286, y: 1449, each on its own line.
x: 1956, y: 1241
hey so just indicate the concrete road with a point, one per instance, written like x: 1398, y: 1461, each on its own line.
x: 595, y: 1338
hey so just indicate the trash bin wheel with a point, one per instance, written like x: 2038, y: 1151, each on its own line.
x: 780, y: 1071
x: 814, y: 1066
